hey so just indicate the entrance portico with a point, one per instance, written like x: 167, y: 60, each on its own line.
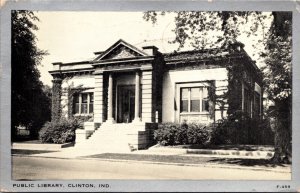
x: 125, y: 86
x: 126, y: 89
x: 126, y: 108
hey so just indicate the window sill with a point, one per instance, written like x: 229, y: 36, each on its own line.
x: 195, y: 113
x: 78, y: 115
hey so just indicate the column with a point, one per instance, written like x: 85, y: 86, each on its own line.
x: 98, y: 98
x: 110, y: 118
x: 147, y: 115
x: 137, y: 98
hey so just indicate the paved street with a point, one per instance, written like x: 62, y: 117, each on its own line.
x: 35, y: 168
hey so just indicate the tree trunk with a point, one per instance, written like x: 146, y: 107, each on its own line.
x: 283, y: 138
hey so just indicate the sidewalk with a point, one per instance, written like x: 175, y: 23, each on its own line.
x: 226, y: 158
x: 167, y: 158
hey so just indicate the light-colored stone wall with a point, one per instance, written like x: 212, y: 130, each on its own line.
x: 85, y: 81
x: 219, y: 75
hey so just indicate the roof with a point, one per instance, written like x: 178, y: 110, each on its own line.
x: 207, y: 54
x: 196, y: 55
x: 182, y: 57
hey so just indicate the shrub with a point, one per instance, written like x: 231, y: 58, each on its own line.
x: 198, y: 133
x: 241, y: 129
x: 84, y: 118
x: 61, y: 131
x: 180, y: 134
x: 165, y: 134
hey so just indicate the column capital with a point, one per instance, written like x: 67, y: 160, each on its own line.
x: 57, y: 80
x: 98, y: 72
x: 147, y: 67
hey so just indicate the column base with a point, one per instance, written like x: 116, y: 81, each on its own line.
x: 136, y: 120
x: 110, y: 121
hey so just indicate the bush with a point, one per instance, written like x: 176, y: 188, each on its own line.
x: 181, y: 134
x: 165, y: 134
x: 86, y: 118
x: 241, y: 129
x: 198, y: 133
x: 61, y: 131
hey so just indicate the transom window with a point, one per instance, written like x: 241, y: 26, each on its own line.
x: 194, y: 99
x: 83, y: 103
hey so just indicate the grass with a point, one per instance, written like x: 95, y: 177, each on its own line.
x: 153, y: 158
x: 31, y: 141
x: 185, y: 159
x: 188, y: 159
x: 223, y: 147
x: 28, y: 152
x: 247, y: 162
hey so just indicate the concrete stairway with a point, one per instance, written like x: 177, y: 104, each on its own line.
x: 113, y: 138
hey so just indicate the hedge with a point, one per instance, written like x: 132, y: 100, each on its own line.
x: 61, y: 131
x: 180, y: 134
x: 241, y: 129
x: 236, y: 129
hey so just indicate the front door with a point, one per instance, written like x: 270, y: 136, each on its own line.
x: 125, y: 106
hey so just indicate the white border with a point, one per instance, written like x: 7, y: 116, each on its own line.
x: 147, y: 185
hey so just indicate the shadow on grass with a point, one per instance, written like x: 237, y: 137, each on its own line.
x: 153, y: 158
x: 231, y: 147
x: 189, y: 159
x: 246, y: 162
x: 28, y: 152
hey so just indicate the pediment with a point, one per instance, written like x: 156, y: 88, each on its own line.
x: 120, y: 50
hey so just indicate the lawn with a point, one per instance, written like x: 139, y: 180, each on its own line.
x: 185, y: 159
x: 28, y: 152
x: 222, y: 147
x: 152, y: 158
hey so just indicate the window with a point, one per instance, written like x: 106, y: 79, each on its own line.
x: 247, y: 102
x: 83, y: 103
x: 194, y: 99
x: 184, y: 103
x: 91, y: 104
x: 256, y: 105
x: 76, y: 104
x: 205, y: 103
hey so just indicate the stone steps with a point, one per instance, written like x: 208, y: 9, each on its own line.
x: 117, y: 137
x: 114, y: 137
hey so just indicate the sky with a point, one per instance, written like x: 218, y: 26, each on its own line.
x: 75, y: 36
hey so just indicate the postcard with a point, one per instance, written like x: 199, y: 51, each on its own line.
x: 139, y: 96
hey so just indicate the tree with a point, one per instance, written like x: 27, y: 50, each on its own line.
x: 278, y: 78
x: 211, y: 29
x: 30, y: 105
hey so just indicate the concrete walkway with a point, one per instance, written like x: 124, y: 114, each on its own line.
x: 74, y: 154
x: 81, y: 153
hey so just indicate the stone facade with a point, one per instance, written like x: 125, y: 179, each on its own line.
x: 134, y: 89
